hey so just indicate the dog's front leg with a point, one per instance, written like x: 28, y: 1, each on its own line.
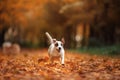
x: 62, y: 58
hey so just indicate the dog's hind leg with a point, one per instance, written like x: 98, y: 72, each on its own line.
x: 51, y: 60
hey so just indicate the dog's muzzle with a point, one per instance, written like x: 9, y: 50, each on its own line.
x: 58, y: 49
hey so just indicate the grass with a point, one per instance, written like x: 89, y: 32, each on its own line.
x: 104, y: 50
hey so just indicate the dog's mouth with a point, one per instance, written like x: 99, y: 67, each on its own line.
x: 58, y: 50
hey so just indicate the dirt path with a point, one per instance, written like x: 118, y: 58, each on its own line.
x: 34, y: 65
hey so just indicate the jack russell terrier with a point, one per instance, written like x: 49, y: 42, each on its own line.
x: 56, y: 49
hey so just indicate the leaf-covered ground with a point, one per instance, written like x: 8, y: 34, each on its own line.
x: 35, y: 65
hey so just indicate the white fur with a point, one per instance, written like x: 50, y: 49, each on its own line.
x: 55, y: 51
x: 9, y: 48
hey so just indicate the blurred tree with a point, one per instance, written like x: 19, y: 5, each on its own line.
x: 80, y: 12
x: 25, y: 15
x: 106, y: 20
x: 100, y: 19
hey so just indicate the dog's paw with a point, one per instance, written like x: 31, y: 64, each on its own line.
x: 63, y: 65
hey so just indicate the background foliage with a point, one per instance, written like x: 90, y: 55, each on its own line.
x: 60, y: 18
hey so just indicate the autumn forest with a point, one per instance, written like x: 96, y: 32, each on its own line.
x: 90, y: 28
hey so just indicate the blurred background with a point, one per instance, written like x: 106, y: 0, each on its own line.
x: 92, y: 25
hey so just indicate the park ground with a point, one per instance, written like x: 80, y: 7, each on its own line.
x: 35, y: 65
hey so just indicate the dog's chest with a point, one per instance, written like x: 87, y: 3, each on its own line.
x: 55, y: 53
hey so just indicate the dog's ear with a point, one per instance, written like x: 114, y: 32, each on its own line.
x: 54, y: 40
x: 63, y: 40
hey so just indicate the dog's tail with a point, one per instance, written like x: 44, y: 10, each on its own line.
x: 49, y: 37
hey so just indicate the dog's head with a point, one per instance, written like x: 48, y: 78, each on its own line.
x: 59, y: 44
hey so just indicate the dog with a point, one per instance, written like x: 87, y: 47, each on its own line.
x: 56, y: 49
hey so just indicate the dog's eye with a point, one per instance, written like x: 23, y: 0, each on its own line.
x: 56, y: 44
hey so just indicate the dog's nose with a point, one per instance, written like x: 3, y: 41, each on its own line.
x: 59, y: 48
